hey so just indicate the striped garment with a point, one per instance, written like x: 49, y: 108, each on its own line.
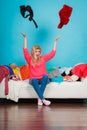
x: 4, y: 72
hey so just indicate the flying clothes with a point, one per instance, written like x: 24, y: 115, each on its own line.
x: 26, y: 11
x: 64, y: 15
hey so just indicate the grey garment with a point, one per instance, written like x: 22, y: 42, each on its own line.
x: 54, y: 73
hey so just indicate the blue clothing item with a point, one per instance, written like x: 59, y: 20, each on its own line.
x: 39, y: 85
x: 57, y: 79
x: 10, y: 69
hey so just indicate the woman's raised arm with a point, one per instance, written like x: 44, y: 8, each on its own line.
x: 55, y: 42
x: 25, y: 40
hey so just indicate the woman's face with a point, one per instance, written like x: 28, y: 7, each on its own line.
x: 37, y: 53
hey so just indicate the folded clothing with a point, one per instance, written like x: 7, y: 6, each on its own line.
x: 57, y: 79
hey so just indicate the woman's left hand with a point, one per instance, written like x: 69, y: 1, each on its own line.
x: 57, y: 38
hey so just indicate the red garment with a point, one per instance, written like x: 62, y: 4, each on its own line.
x: 80, y: 70
x: 4, y: 72
x: 6, y: 86
x: 64, y: 14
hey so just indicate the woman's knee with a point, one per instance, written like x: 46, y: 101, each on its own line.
x: 33, y: 80
x: 45, y: 77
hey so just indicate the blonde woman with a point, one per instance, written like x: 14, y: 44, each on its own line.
x: 37, y: 68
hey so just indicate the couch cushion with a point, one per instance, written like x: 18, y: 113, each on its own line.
x: 24, y: 71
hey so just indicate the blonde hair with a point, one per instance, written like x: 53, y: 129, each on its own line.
x: 34, y: 48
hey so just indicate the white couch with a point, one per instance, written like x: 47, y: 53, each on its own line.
x: 63, y: 90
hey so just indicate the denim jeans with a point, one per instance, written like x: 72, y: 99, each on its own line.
x: 39, y: 85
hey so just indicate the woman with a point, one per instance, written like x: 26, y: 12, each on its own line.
x: 37, y: 68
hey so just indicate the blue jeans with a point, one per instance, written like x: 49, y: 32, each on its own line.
x: 39, y: 85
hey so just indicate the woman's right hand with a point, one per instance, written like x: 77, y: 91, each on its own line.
x: 25, y: 40
x: 24, y: 35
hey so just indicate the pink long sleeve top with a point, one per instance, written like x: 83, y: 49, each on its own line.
x: 38, y: 70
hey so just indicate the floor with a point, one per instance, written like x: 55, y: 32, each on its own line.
x: 29, y: 116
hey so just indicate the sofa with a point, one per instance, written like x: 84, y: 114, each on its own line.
x: 21, y: 89
x: 57, y: 88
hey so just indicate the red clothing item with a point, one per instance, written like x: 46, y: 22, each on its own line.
x: 80, y: 70
x: 38, y: 70
x: 64, y: 15
x: 4, y: 72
